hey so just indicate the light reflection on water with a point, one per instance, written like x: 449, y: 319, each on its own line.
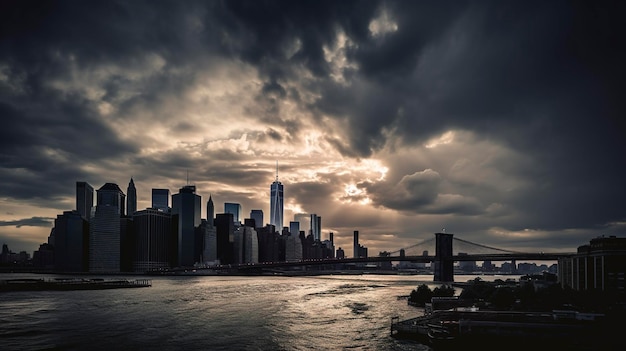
x: 215, y: 313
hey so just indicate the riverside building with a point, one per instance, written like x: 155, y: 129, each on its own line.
x: 154, y: 238
x: 105, y: 230
x: 186, y: 205
x: 71, y: 237
x: 601, y: 265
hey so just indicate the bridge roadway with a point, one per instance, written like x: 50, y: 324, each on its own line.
x: 542, y: 256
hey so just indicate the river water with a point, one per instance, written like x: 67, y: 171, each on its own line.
x: 342, y: 312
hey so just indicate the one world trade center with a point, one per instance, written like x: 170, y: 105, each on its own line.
x: 276, y: 203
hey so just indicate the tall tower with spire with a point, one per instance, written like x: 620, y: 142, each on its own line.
x: 276, y: 203
x: 210, y: 211
x: 131, y: 198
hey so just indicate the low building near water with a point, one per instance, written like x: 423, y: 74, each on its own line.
x: 599, y: 265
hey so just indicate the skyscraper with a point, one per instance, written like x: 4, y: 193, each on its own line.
x: 305, y: 222
x: 293, y: 247
x: 235, y: 210
x: 245, y: 245
x: 131, y: 198
x: 84, y: 199
x: 276, y: 203
x: 71, y: 235
x: 257, y: 215
x: 316, y: 227
x: 294, y: 228
x: 209, y: 253
x: 186, y: 204
x: 210, y: 211
x: 105, y: 230
x: 355, y: 245
x: 153, y: 239
x: 225, y: 231
x: 161, y: 199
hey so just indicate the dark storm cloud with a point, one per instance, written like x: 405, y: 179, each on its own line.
x: 540, y: 78
x: 421, y: 193
x: 420, y: 23
x: 313, y: 195
x: 266, y: 30
x: 238, y: 175
x: 31, y: 222
x: 44, y: 147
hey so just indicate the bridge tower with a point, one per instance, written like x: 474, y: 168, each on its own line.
x: 444, y: 264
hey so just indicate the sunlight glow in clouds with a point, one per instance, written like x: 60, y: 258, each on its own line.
x: 383, y: 24
x: 445, y: 138
x: 336, y: 57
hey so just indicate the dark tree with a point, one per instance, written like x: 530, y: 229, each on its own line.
x: 444, y: 291
x: 420, y: 296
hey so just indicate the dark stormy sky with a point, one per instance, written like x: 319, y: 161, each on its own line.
x: 501, y: 121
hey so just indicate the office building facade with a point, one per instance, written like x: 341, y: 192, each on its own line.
x: 105, y: 230
x: 84, y: 199
x: 294, y: 228
x: 209, y: 254
x: 161, y: 199
x: 245, y: 245
x: 154, y: 236
x: 187, y: 206
x: 293, y: 248
x: 71, y: 242
x: 305, y: 222
x: 236, y: 210
x: 599, y: 265
x: 316, y: 227
x: 257, y: 215
x: 225, y: 235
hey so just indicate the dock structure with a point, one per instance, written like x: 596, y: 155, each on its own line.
x: 445, y: 329
x: 60, y: 284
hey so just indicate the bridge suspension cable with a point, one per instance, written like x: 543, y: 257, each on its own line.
x: 486, y: 247
x: 423, y: 242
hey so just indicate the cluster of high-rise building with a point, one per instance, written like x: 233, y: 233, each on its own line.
x: 112, y: 235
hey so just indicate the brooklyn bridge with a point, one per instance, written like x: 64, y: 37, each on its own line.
x: 447, y: 250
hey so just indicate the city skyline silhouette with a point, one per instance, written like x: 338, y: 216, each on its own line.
x: 501, y: 122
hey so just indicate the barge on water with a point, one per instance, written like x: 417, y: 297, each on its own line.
x: 62, y: 284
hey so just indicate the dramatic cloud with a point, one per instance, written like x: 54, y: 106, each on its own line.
x: 501, y: 121
x: 32, y: 222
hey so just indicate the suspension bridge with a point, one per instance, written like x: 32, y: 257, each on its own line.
x: 447, y: 250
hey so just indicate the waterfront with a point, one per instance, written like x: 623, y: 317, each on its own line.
x: 340, y: 312
x: 214, y: 313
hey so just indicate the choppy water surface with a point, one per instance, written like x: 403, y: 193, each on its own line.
x: 214, y: 313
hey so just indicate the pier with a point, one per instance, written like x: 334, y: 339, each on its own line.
x: 497, y: 329
x: 59, y: 284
